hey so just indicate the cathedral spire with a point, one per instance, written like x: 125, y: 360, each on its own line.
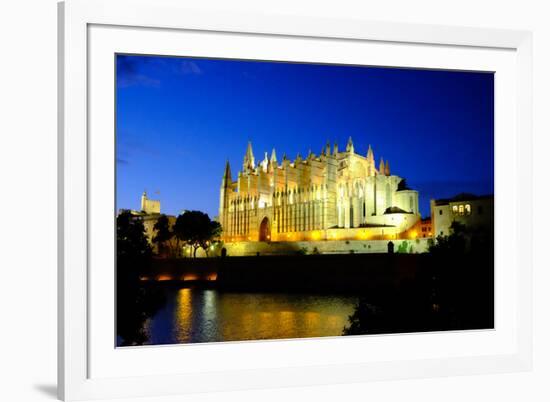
x: 382, y: 168
x: 370, y: 154
x: 327, y: 148
x: 227, y: 171
x: 227, y: 174
x: 249, y: 158
x: 265, y: 162
x: 349, y: 147
x: 387, y: 168
x: 335, y: 150
x: 273, y: 157
x: 370, y: 162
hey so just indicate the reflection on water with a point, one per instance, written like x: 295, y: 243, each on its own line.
x: 205, y: 315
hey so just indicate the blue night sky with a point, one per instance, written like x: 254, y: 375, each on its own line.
x: 180, y: 119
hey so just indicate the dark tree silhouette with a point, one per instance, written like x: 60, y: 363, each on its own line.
x: 403, y: 185
x: 197, y: 230
x: 215, y: 231
x: 463, y: 264
x: 163, y: 235
x: 133, y: 249
x: 134, y: 303
x: 453, y: 290
x: 453, y: 244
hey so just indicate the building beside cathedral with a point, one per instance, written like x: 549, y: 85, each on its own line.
x: 148, y: 206
x: 149, y: 214
x: 473, y: 211
x: 337, y: 195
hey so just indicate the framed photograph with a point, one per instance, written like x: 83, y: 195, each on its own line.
x: 253, y: 201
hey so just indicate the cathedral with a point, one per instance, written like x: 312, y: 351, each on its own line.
x: 337, y: 195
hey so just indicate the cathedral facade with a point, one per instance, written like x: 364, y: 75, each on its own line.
x: 337, y: 195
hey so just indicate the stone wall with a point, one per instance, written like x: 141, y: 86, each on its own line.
x: 325, y: 247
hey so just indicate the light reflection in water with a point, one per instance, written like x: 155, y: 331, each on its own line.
x: 183, y: 316
x: 198, y: 315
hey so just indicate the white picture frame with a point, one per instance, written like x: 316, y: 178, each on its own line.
x: 79, y: 377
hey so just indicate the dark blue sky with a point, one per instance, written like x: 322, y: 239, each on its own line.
x: 179, y: 119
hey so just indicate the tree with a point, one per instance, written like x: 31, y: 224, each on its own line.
x: 197, y: 230
x: 214, y: 233
x: 133, y: 249
x: 134, y: 303
x: 403, y: 185
x: 453, y: 244
x: 403, y: 248
x: 163, y: 234
x: 463, y: 269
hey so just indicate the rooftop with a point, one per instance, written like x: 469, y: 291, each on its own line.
x: 463, y: 197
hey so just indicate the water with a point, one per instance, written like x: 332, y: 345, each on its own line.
x: 192, y: 315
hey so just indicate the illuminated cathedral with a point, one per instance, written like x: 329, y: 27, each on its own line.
x: 336, y: 195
